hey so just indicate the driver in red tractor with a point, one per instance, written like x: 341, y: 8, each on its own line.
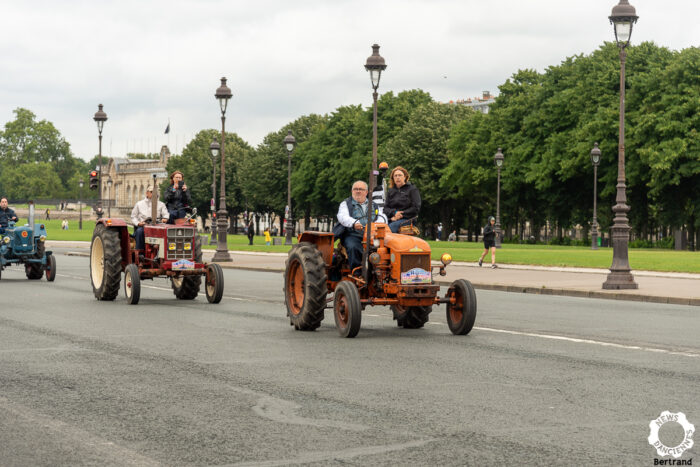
x: 141, y: 214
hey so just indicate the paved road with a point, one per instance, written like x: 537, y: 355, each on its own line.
x: 541, y: 379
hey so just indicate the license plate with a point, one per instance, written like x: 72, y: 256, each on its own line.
x: 182, y: 265
x: 416, y: 276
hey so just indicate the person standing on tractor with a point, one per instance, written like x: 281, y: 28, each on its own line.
x: 403, y: 199
x: 177, y: 198
x: 7, y: 214
x: 352, y: 215
x: 142, y: 213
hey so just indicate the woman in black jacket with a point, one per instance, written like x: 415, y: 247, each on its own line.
x: 403, y: 199
x: 177, y: 197
x: 489, y: 241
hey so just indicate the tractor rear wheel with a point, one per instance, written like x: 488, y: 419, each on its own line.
x: 462, y: 314
x: 132, y: 284
x: 35, y: 271
x: 214, y: 284
x: 187, y: 287
x: 305, y: 286
x: 50, y: 268
x: 105, y: 263
x: 412, y: 317
x: 347, y: 309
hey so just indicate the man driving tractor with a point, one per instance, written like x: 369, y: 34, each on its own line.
x: 142, y: 213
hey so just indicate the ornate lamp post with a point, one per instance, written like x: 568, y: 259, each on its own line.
x: 375, y: 65
x: 223, y: 94
x: 214, y: 149
x: 100, y: 118
x: 81, y: 183
x: 623, y: 18
x: 498, y: 160
x: 595, y: 160
x: 289, y: 143
x: 109, y: 197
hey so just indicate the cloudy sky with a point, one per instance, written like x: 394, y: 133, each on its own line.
x: 149, y: 61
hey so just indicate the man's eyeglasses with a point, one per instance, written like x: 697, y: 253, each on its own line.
x: 359, y: 189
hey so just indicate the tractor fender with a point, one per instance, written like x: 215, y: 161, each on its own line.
x: 323, y: 242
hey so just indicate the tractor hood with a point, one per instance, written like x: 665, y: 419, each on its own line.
x: 405, y: 243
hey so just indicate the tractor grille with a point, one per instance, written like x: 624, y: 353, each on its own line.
x: 409, y: 262
x: 180, y: 244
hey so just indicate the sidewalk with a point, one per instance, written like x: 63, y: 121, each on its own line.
x: 658, y: 287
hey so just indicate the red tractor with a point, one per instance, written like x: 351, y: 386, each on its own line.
x: 173, y: 251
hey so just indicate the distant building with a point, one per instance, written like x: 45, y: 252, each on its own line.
x: 480, y: 104
x: 130, y: 177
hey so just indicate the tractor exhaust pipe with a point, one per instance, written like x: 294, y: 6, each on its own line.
x: 30, y: 221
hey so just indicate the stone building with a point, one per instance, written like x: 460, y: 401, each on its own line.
x: 129, y: 178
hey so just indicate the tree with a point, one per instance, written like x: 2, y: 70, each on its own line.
x: 25, y: 140
x: 29, y: 181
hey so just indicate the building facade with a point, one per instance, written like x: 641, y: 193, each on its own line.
x: 129, y: 179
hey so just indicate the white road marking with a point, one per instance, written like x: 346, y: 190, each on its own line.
x: 590, y: 342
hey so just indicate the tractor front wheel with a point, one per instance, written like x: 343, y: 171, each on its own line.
x: 35, y: 271
x: 187, y: 287
x: 305, y: 286
x: 214, y: 283
x: 105, y: 263
x: 347, y: 309
x: 132, y: 284
x: 50, y: 268
x: 462, y: 314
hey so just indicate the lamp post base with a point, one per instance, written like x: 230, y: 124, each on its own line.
x: 620, y: 280
x: 289, y: 232
x: 222, y: 255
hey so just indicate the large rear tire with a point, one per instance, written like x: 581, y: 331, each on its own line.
x: 187, y: 287
x: 132, y: 284
x: 105, y: 263
x: 462, y: 314
x: 412, y: 317
x: 214, y: 284
x: 305, y: 287
x: 50, y: 268
x: 347, y: 309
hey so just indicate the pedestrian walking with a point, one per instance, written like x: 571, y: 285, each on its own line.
x: 251, y: 231
x: 48, y: 214
x: 268, y: 239
x: 439, y: 232
x: 489, y: 242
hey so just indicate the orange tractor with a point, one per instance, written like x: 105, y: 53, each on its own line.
x: 396, y: 271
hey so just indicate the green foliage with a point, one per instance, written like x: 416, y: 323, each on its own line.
x: 28, y: 181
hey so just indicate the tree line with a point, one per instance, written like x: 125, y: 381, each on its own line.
x: 545, y: 122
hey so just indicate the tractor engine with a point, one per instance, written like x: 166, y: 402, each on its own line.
x: 170, y: 243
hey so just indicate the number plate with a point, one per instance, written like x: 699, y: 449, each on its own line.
x: 182, y: 265
x: 416, y: 276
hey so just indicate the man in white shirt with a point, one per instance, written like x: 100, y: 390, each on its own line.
x: 352, y: 214
x: 142, y: 212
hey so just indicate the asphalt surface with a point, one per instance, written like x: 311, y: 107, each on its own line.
x: 540, y: 380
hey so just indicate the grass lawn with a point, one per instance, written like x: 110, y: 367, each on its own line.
x: 543, y: 255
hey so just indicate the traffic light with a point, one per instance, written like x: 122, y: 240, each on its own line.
x: 94, y: 180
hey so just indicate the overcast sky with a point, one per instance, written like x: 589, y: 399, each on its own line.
x: 150, y: 61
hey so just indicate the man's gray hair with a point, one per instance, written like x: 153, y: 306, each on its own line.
x: 363, y: 183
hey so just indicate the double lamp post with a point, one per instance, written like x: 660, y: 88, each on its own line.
x: 100, y: 118
x: 289, y: 143
x: 223, y: 94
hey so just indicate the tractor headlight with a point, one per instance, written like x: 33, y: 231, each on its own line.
x: 171, y: 246
x: 6, y: 240
x: 42, y: 238
x: 188, y: 246
x: 375, y: 242
x: 374, y: 258
x: 446, y: 259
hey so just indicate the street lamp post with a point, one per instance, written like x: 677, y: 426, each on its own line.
x: 214, y: 150
x: 81, y: 183
x: 289, y: 143
x: 109, y: 197
x: 223, y: 94
x: 498, y: 160
x: 375, y: 65
x: 595, y: 159
x: 623, y: 18
x: 100, y: 118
